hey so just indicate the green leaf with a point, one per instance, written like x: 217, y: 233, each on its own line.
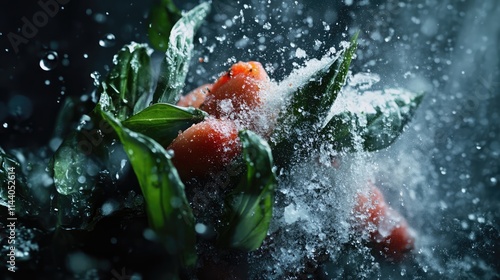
x: 88, y: 150
x: 129, y: 83
x: 310, y: 104
x: 69, y: 167
x: 174, y: 67
x: 374, y: 120
x: 248, y: 209
x: 78, y: 166
x: 163, y: 121
x: 339, y: 78
x: 168, y: 210
x: 312, y: 101
x: 66, y: 115
x: 14, y: 192
x: 162, y: 17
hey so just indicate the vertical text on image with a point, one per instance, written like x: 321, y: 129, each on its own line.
x: 11, y: 219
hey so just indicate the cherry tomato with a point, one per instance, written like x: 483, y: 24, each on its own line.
x: 238, y: 91
x: 388, y: 231
x: 195, y: 97
x: 205, y: 147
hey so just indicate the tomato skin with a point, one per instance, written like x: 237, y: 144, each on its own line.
x: 251, y: 69
x: 237, y: 91
x: 196, y: 97
x: 204, y: 148
x: 389, y: 233
x: 398, y: 242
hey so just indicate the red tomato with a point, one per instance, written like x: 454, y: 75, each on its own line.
x: 205, y: 147
x: 195, y: 97
x: 389, y: 232
x: 237, y: 91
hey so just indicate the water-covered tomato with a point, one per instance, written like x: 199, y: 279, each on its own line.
x: 237, y: 91
x: 196, y: 97
x: 205, y: 147
x: 388, y: 231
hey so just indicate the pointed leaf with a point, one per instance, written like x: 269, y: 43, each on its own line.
x: 129, y: 81
x: 305, y: 115
x: 168, y: 210
x: 163, y: 121
x: 248, y: 209
x: 174, y: 68
x: 312, y: 101
x: 162, y: 17
x: 374, y: 121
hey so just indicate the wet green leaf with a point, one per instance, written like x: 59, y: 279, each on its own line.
x: 77, y: 168
x: 167, y: 207
x: 66, y: 115
x: 14, y: 193
x: 174, y: 67
x: 338, y: 81
x: 309, y: 107
x: 163, y: 121
x: 88, y: 150
x: 311, y: 102
x: 248, y: 209
x: 129, y: 83
x: 374, y: 121
x: 162, y: 17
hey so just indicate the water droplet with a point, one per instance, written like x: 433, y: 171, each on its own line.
x: 85, y: 55
x: 99, y: 18
x: 200, y: 228
x: 5, y: 125
x: 107, y: 208
x: 96, y: 76
x: 442, y: 170
x: 49, y: 61
x: 82, y: 179
x: 107, y: 41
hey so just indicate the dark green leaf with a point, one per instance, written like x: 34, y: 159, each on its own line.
x: 168, y: 210
x: 174, y: 68
x: 163, y: 121
x: 66, y: 115
x: 77, y: 165
x: 69, y: 163
x: 309, y: 106
x: 129, y: 83
x: 248, y: 209
x: 338, y: 81
x: 88, y: 150
x: 162, y: 17
x: 13, y: 193
x: 311, y: 102
x: 374, y: 121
